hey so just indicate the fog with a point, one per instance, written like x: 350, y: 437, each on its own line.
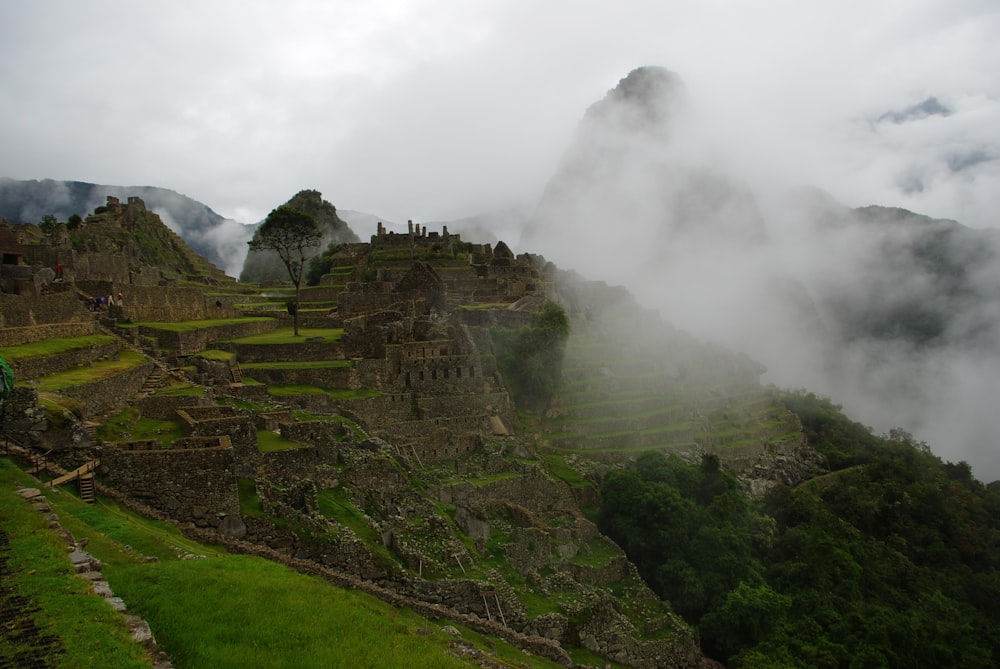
x: 435, y: 110
x: 892, y: 315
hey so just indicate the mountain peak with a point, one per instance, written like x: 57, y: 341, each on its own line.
x: 644, y: 100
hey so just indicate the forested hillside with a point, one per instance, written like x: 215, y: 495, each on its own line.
x: 889, y: 560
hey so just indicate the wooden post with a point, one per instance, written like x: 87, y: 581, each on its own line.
x: 499, y: 608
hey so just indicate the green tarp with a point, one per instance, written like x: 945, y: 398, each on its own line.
x: 6, y: 380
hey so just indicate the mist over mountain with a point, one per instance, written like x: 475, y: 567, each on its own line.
x: 221, y: 240
x: 892, y: 314
x: 266, y: 265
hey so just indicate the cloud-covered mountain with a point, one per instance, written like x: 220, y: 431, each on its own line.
x: 221, y: 240
x: 265, y: 265
x: 893, y: 314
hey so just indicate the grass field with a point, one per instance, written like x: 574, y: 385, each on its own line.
x: 286, y: 335
x: 217, y: 611
x: 53, y: 346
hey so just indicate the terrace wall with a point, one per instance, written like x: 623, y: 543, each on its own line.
x: 33, y: 368
x: 193, y: 341
x: 319, y: 350
x: 193, y: 481
x: 329, y: 377
x: 242, y: 435
x: 101, y: 396
x: 14, y: 336
x: 61, y: 307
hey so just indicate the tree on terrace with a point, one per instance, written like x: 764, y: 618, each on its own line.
x: 289, y: 232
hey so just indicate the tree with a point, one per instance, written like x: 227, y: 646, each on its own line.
x: 530, y: 359
x: 289, y: 233
x: 48, y: 223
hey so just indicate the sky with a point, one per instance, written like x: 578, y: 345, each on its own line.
x: 434, y: 110
x: 438, y: 109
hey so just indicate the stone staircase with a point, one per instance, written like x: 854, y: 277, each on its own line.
x: 155, y: 380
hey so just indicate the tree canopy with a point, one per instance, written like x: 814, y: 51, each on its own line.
x: 289, y: 233
x: 892, y: 559
x: 530, y: 359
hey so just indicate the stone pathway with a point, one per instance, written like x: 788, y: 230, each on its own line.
x: 88, y: 568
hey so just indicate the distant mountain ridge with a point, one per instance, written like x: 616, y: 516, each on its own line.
x: 221, y: 240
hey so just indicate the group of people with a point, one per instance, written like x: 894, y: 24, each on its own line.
x: 102, y: 302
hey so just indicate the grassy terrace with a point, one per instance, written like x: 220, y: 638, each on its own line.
x: 130, y: 425
x: 53, y: 347
x: 189, y: 326
x: 219, y: 612
x: 308, y: 364
x: 268, y: 442
x: 333, y: 393
x: 101, y: 369
x: 215, y: 354
x: 286, y: 335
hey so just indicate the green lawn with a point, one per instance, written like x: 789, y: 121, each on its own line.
x: 188, y: 326
x: 335, y: 393
x: 102, y: 369
x: 52, y: 347
x: 285, y: 335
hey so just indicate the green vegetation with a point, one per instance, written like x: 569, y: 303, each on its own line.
x: 102, y: 369
x: 218, y: 612
x: 250, y: 504
x: 531, y: 358
x: 268, y: 441
x: 891, y: 560
x: 333, y: 393
x: 83, y: 631
x: 322, y: 264
x: 288, y: 336
x: 190, y: 326
x: 130, y: 425
x: 53, y: 346
x: 289, y: 233
x: 215, y: 354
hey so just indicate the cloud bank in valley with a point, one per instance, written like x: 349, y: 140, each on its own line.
x: 438, y: 109
x: 894, y: 315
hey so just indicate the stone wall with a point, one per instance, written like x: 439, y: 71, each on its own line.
x: 22, y: 418
x: 329, y: 377
x: 194, y: 341
x: 195, y: 481
x: 112, y: 267
x: 15, y: 336
x: 319, y: 433
x: 164, y: 407
x: 306, y: 351
x: 103, y: 395
x: 164, y: 303
x: 242, y: 435
x: 61, y: 307
x: 33, y: 368
x: 308, y: 462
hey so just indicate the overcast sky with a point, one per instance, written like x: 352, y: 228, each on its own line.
x: 435, y: 109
